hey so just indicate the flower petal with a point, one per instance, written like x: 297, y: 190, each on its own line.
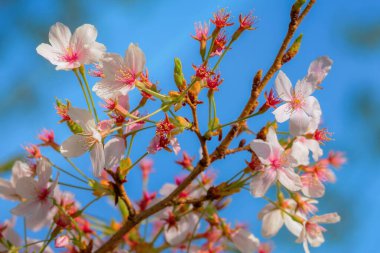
x: 245, y: 241
x: 114, y: 151
x: 260, y: 183
x: 26, y: 187
x: 318, y: 70
x: 59, y: 36
x: 97, y: 158
x: 299, y: 122
x: 282, y: 113
x: 289, y: 179
x: 75, y: 145
x: 283, y: 86
x: 261, y: 148
x: 83, y: 118
x: 272, y: 222
x: 135, y: 59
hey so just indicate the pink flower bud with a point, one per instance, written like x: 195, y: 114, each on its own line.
x: 61, y: 241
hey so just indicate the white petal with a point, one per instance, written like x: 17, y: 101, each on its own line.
x: 282, y: 113
x: 7, y: 190
x: 59, y: 36
x: 261, y: 148
x: 75, y: 145
x: 300, y: 153
x: 27, y: 188
x: 97, y: 158
x: 273, y: 140
x: 283, y: 86
x: 185, y: 226
x: 19, y: 170
x: 303, y: 89
x: 314, y: 147
x: 114, y: 151
x: 245, y: 241
x: 107, y: 89
x: 135, y: 58
x: 289, y: 179
x: 43, y: 172
x: 294, y: 227
x: 299, y: 122
x: 268, y: 208
x: 312, y: 107
x: 272, y: 222
x: 50, y: 53
x: 260, y: 183
x: 83, y: 118
x: 318, y: 70
x: 26, y: 208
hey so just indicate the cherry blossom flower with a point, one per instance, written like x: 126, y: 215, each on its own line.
x: 275, y: 216
x: 301, y: 147
x: 277, y: 165
x: 7, y: 233
x: 89, y: 140
x: 8, y: 188
x: 68, y: 51
x: 245, y: 241
x: 37, y: 196
x: 313, y: 178
x: 312, y: 232
x: 120, y: 74
x: 299, y: 107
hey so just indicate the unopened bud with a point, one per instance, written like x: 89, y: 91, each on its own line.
x: 293, y: 50
x: 179, y: 78
x: 297, y: 7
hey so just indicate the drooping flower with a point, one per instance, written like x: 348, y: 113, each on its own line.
x: 36, y: 196
x: 301, y: 108
x: 120, y: 73
x: 89, y: 140
x: 312, y: 232
x: 8, y: 188
x: 277, y: 165
x: 68, y: 51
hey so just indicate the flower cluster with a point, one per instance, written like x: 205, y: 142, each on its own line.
x: 186, y: 215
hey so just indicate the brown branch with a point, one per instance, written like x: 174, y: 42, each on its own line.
x: 219, y: 152
x: 128, y: 202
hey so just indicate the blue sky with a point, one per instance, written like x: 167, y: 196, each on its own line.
x: 346, y: 31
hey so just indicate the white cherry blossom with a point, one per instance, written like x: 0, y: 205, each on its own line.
x: 68, y: 51
x: 8, y: 188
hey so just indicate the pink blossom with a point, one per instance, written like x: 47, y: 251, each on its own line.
x: 68, y: 51
x: 312, y: 232
x: 336, y: 159
x: 277, y: 166
x: 37, y: 195
x: 61, y: 241
x: 245, y: 241
x: 318, y: 70
x: 201, y: 32
x: 89, y: 140
x: 221, y: 19
x: 114, y: 151
x: 8, y: 188
x: 301, y: 108
x: 7, y: 233
x: 120, y: 73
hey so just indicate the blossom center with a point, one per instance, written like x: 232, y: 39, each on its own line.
x: 125, y: 76
x: 43, y: 194
x: 71, y: 55
x: 297, y: 102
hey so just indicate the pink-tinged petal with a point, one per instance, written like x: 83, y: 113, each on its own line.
x: 260, y: 183
x: 26, y: 208
x: 282, y: 113
x: 294, y: 227
x: 114, y: 151
x: 112, y: 63
x: 303, y: 89
x: 262, y: 149
x: 318, y: 70
x: 299, y: 122
x: 27, y: 188
x: 267, y: 209
x: 272, y: 222
x: 59, y: 36
x: 314, y: 147
x: 109, y: 89
x: 97, y: 159
x: 330, y: 175
x: 328, y: 218
x: 312, y: 107
x: 10, y: 234
x: 123, y: 100
x: 7, y: 190
x: 19, y: 170
x: 245, y: 241
x: 300, y: 153
x: 167, y: 188
x: 289, y: 179
x: 273, y: 140
x: 135, y: 58
x: 44, y: 173
x: 49, y: 53
x: 283, y: 86
x: 40, y: 216
x: 312, y: 186
x: 74, y: 146
x: 83, y: 118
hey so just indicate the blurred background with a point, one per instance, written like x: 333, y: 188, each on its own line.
x: 346, y: 31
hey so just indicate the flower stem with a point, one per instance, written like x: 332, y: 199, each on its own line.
x: 83, y: 73
x: 68, y: 173
x: 74, y: 186
x: 83, y: 90
x: 77, y: 169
